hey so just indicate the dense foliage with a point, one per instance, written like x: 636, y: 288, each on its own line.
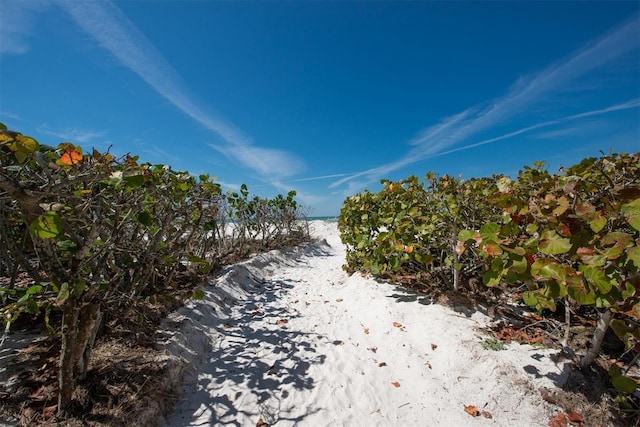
x: 89, y: 235
x: 572, y: 236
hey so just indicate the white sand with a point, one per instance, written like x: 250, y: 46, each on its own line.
x: 291, y: 339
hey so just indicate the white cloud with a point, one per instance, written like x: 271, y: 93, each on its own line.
x: 439, y: 139
x: 105, y: 22
x: 16, y: 24
x: 74, y: 135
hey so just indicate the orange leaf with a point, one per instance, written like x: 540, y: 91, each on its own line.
x: 397, y: 325
x: 396, y: 384
x: 261, y: 423
x: 70, y: 157
x: 366, y: 331
x: 282, y: 322
x: 471, y: 410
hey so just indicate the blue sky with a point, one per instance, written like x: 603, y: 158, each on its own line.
x: 325, y: 98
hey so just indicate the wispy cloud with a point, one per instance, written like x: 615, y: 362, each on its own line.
x: 452, y: 131
x: 105, y: 22
x: 80, y: 136
x: 16, y: 24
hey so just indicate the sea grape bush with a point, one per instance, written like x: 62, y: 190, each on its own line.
x: 571, y: 236
x: 412, y: 227
x: 95, y: 233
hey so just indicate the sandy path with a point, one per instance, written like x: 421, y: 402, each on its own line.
x: 293, y: 340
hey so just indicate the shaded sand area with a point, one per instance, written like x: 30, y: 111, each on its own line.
x: 288, y: 338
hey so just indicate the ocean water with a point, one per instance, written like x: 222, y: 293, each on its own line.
x: 323, y: 218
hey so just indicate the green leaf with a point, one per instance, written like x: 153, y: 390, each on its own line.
x: 596, y: 277
x: 3, y: 126
x: 32, y: 307
x: 489, y: 232
x: 624, y: 384
x: 465, y: 235
x: 582, y: 294
x: 46, y: 226
x: 538, y: 301
x: 634, y: 255
x: 553, y: 244
x: 519, y: 264
x: 198, y: 294
x: 193, y: 258
x: 548, y: 269
x: 78, y: 288
x: 598, y: 223
x: 134, y: 180
x: 632, y: 213
x: 144, y: 218
x: 563, y: 205
x: 32, y: 290
x: 63, y: 294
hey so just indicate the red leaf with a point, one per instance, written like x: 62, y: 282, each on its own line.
x: 396, y: 384
x: 366, y: 331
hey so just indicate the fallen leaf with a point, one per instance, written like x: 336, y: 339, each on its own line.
x: 397, y: 325
x: 227, y: 325
x: 429, y: 365
x: 559, y: 420
x: 261, y: 423
x: 396, y: 384
x: 434, y: 346
x: 338, y: 342
x: 366, y: 331
x: 282, y: 322
x: 339, y: 300
x: 49, y: 411
x: 487, y: 414
x: 471, y: 410
x: 574, y: 417
x: 374, y: 349
x: 546, y: 395
x: 381, y: 364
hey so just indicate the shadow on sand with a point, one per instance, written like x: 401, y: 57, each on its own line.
x: 244, y: 358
